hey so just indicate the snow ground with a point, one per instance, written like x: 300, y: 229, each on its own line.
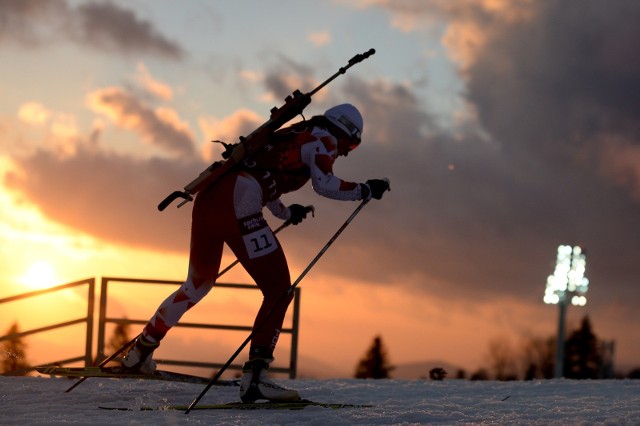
x: 42, y: 400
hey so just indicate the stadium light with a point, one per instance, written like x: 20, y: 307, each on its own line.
x: 567, y: 284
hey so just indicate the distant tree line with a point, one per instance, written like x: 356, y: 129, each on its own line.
x: 585, y: 357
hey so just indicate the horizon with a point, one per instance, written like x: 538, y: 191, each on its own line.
x: 218, y: 346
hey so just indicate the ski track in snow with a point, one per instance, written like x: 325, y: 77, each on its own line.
x: 42, y: 400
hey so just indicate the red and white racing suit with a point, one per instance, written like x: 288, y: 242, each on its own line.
x: 230, y: 211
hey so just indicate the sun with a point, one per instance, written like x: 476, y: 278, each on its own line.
x: 39, y: 275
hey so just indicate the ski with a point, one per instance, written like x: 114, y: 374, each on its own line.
x: 120, y: 373
x: 270, y: 405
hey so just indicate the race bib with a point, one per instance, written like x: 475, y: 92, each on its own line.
x: 260, y: 242
x: 257, y: 236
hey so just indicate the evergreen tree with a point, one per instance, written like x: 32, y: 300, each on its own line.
x: 375, y: 364
x: 13, y: 355
x: 582, y: 359
x: 119, y: 338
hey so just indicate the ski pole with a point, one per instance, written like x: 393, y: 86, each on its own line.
x: 291, y: 289
x: 308, y: 209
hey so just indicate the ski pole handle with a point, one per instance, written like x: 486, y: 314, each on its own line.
x: 388, y: 183
x: 310, y: 209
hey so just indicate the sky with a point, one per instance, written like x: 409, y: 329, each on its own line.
x: 506, y: 128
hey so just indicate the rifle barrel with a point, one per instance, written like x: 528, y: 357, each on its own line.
x: 356, y: 59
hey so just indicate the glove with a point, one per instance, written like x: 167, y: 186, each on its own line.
x: 298, y: 213
x: 376, y: 187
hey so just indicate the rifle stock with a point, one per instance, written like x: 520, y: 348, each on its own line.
x: 294, y: 105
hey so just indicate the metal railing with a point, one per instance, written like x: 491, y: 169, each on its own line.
x: 88, y: 319
x: 104, y: 319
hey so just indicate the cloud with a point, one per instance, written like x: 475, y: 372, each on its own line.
x: 34, y: 113
x: 62, y: 128
x: 552, y: 87
x: 469, y: 23
x: 31, y: 22
x: 152, y: 85
x: 282, y: 79
x: 551, y: 79
x: 567, y: 85
x: 109, y: 196
x: 98, y: 25
x: 107, y: 26
x: 161, y: 127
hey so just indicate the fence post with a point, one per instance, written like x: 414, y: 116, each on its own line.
x: 88, y: 357
x: 102, y: 316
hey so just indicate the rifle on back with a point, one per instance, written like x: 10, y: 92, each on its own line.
x: 235, y: 153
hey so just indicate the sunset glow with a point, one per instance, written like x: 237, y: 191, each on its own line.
x: 498, y: 146
x: 39, y: 275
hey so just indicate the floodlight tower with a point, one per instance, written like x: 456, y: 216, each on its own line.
x: 567, y: 283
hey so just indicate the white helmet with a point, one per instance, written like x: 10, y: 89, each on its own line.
x: 348, y: 118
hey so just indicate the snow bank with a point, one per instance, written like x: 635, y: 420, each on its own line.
x: 38, y: 400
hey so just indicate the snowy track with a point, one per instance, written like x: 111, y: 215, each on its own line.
x: 41, y: 400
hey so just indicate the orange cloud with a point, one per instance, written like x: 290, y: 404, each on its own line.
x: 34, y: 113
x: 62, y: 127
x: 160, y: 127
x: 152, y: 85
x: 471, y: 25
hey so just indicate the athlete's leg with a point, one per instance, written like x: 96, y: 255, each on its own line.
x: 211, y: 208
x: 204, y: 262
x: 260, y: 253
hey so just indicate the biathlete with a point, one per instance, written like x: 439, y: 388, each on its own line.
x: 230, y: 211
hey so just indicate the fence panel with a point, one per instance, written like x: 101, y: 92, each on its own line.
x: 103, y: 320
x: 88, y: 319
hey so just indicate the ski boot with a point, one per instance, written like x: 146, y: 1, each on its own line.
x: 139, y: 359
x: 255, y: 385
